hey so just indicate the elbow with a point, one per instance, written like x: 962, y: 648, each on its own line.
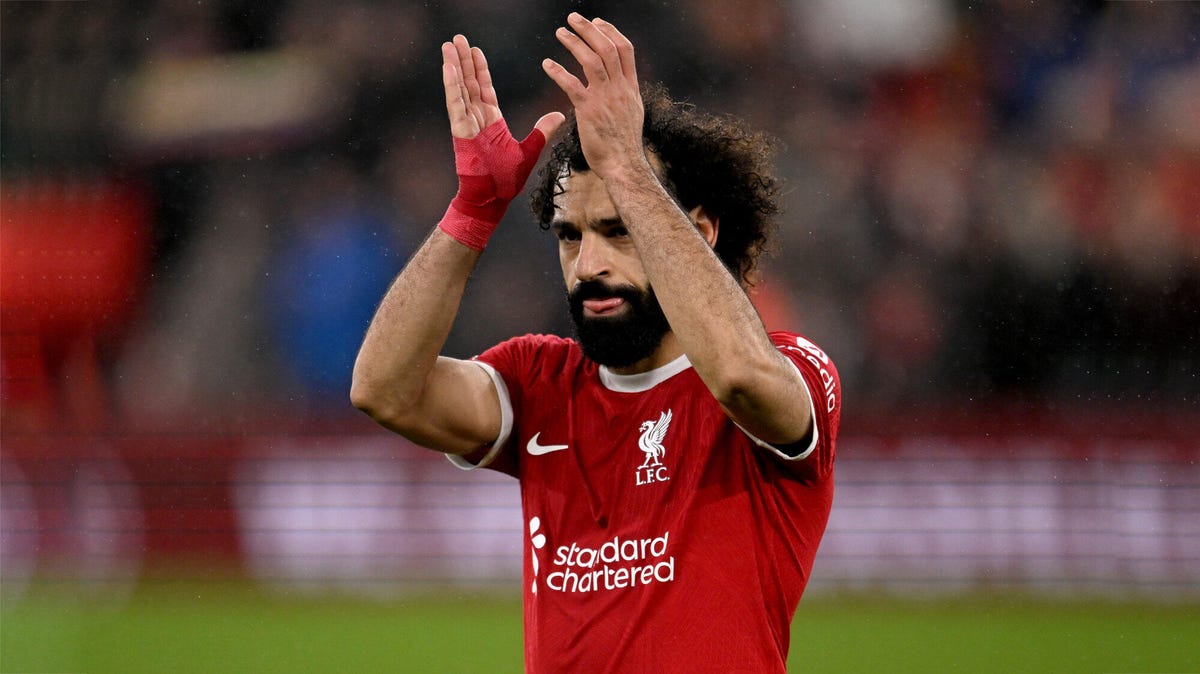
x: 734, y: 391
x: 371, y: 399
x: 364, y: 398
x: 740, y: 388
x: 385, y: 405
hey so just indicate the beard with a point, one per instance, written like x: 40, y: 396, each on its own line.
x: 622, y: 340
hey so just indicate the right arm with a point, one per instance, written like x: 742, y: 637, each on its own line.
x: 399, y: 379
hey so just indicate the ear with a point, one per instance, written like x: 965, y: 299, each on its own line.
x: 706, y: 224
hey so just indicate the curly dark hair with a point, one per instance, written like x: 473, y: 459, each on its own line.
x: 708, y: 160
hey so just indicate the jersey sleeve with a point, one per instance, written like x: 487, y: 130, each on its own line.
x: 510, y: 365
x: 816, y: 451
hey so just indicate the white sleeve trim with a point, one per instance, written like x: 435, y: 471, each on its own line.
x: 813, y: 415
x: 506, y: 422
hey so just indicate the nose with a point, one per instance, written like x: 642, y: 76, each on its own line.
x: 593, y: 260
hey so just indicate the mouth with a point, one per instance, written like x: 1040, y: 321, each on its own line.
x: 603, y: 306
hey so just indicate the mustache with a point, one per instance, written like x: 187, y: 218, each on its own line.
x: 623, y: 339
x: 591, y: 290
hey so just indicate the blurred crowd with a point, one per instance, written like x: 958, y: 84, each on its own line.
x: 984, y: 201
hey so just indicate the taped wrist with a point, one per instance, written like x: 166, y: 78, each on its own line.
x: 470, y: 231
x: 492, y: 169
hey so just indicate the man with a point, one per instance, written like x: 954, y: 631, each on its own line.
x: 675, y: 463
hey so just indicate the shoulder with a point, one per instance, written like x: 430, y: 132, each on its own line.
x: 535, y: 344
x: 794, y: 342
x: 533, y: 354
x: 815, y: 366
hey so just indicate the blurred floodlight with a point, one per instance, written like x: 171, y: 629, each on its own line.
x: 221, y: 104
x: 908, y: 33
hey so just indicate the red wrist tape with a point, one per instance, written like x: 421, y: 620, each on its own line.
x: 470, y: 231
x: 492, y: 168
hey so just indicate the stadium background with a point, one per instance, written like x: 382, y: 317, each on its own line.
x: 992, y: 223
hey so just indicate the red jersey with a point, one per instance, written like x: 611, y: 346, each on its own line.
x: 659, y: 536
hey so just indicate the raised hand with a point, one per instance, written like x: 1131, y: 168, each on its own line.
x: 609, y: 107
x: 492, y: 166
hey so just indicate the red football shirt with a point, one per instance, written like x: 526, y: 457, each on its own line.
x: 659, y: 536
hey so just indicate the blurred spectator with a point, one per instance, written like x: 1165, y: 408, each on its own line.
x: 335, y: 258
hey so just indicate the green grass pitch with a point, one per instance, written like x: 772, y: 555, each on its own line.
x: 220, y: 626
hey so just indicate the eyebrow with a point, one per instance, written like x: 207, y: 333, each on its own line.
x: 603, y: 223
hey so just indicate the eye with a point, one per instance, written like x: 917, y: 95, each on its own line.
x: 567, y: 233
x: 618, y: 232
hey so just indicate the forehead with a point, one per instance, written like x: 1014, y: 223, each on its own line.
x: 584, y: 197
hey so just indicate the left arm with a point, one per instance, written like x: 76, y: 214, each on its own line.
x: 709, y: 312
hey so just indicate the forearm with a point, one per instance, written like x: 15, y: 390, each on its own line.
x: 709, y: 312
x: 410, y: 327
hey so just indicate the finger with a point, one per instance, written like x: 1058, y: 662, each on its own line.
x: 453, y: 66
x: 468, y: 68
x: 570, y: 85
x: 593, y: 65
x: 598, y: 42
x: 451, y: 57
x: 456, y: 105
x: 623, y: 45
x: 449, y: 54
x: 487, y: 92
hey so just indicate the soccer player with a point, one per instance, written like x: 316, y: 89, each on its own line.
x: 676, y: 459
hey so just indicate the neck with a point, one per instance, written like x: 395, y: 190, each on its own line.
x: 666, y: 352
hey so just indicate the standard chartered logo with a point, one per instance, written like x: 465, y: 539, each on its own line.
x: 617, y: 564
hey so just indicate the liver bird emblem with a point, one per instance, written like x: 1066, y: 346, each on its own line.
x: 652, y: 438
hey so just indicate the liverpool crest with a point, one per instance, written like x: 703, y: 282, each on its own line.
x: 651, y: 443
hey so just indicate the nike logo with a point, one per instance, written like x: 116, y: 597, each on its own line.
x: 537, y: 450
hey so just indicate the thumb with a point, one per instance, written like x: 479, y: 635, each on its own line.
x: 549, y: 123
x: 543, y: 130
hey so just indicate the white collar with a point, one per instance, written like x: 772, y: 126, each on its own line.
x: 642, y: 381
